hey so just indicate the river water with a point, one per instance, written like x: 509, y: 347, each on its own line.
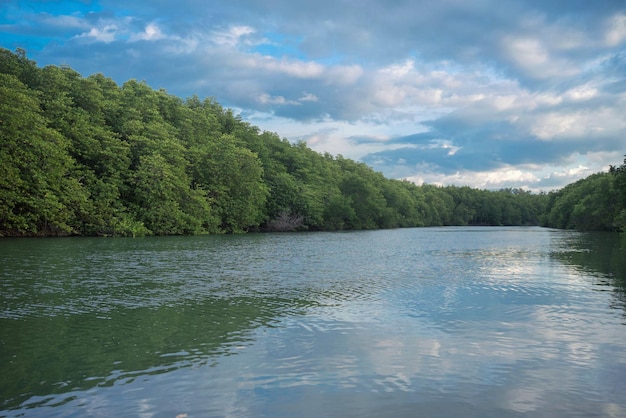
x: 432, y: 322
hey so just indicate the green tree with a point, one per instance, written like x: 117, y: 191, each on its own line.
x: 233, y: 178
x: 619, y: 174
x: 589, y: 204
x: 37, y: 192
x: 366, y: 199
x: 76, y: 108
x: 164, y: 202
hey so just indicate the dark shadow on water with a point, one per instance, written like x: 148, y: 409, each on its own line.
x: 602, y: 255
x: 50, y: 355
x: 76, y: 314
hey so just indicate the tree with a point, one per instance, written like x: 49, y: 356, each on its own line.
x: 37, y: 191
x: 619, y: 174
x: 164, y: 202
x: 233, y: 179
x: 589, y: 204
x: 76, y: 108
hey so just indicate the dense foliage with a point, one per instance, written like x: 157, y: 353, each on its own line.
x: 82, y: 155
x: 595, y: 203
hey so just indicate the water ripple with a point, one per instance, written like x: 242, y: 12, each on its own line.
x: 500, y: 322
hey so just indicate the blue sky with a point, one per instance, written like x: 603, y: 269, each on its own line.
x: 487, y: 93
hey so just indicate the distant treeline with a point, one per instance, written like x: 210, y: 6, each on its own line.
x: 84, y: 156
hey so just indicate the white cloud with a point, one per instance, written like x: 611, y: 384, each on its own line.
x: 65, y: 21
x: 527, y: 52
x: 495, y: 179
x: 399, y: 70
x: 232, y: 36
x: 581, y: 93
x: 616, y: 30
x: 572, y: 172
x: 344, y: 74
x: 594, y: 124
x: 152, y: 32
x: 107, y: 33
x: 309, y: 97
x: 555, y: 124
x: 293, y: 68
x: 265, y: 98
x: 532, y: 56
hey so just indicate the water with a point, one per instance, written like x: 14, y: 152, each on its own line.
x: 433, y: 322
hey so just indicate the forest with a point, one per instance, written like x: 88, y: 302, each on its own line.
x: 85, y: 156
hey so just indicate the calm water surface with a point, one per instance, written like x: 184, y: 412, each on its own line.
x: 432, y: 322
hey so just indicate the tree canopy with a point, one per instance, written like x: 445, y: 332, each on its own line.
x: 85, y: 156
x: 595, y: 203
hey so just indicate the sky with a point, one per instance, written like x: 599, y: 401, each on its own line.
x: 482, y: 93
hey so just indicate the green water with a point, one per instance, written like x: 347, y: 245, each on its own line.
x: 411, y: 322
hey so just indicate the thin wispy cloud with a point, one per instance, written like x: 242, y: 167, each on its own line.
x: 489, y: 93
